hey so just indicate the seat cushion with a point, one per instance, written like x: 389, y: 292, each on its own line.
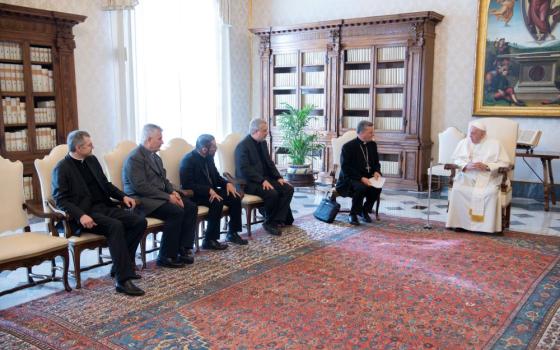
x: 251, y: 199
x: 86, y: 238
x: 154, y: 222
x: 20, y: 246
x: 202, y: 210
x: 438, y: 170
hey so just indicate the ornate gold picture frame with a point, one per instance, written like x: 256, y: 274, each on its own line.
x: 518, y: 58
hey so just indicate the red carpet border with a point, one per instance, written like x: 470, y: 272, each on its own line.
x: 388, y: 285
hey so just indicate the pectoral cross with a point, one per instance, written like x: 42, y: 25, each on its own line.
x: 368, y: 168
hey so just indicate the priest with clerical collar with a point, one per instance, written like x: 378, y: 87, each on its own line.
x: 359, y: 162
x: 474, y: 200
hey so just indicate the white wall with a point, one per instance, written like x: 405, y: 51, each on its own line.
x: 95, y: 68
x: 454, y: 58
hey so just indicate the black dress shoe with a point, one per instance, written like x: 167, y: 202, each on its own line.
x: 133, y: 277
x: 353, y: 220
x: 213, y: 244
x: 173, y: 263
x: 186, y: 255
x: 234, y: 237
x: 365, y: 217
x: 272, y: 229
x: 129, y: 288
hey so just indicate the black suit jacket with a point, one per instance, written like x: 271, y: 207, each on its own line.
x: 248, y: 165
x: 194, y: 177
x: 353, y: 163
x: 71, y: 193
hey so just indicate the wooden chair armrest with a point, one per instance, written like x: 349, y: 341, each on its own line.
x: 504, y: 171
x: 453, y: 168
x: 33, y: 208
x: 52, y: 206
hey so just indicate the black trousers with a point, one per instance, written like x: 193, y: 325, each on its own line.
x: 276, y: 202
x: 215, y: 213
x: 123, y: 231
x: 358, y: 191
x: 178, y: 228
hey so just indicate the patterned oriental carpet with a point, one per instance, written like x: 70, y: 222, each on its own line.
x: 389, y: 285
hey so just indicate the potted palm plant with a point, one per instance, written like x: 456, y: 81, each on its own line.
x: 299, y: 143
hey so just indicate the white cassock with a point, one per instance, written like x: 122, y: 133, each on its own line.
x: 474, y: 201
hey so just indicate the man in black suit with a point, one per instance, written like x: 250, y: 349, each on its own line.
x: 359, y: 162
x: 198, y: 173
x: 253, y: 164
x: 145, y: 178
x: 81, y: 189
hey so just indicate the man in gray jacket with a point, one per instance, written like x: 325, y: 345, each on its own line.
x: 144, y: 177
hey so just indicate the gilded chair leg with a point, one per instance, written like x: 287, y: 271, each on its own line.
x: 65, y: 261
x: 143, y: 250
x: 99, y: 257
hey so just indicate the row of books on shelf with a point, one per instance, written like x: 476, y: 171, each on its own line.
x: 45, y: 112
x: 316, y: 100
x: 13, y: 111
x: 314, y: 122
x: 356, y: 101
x: 388, y: 123
x: 357, y: 77
x: 17, y: 141
x: 45, y: 137
x: 42, y: 79
x: 358, y: 55
x: 313, y: 78
x: 279, y: 100
x: 390, y: 76
x: 10, y: 51
x: 11, y: 77
x: 313, y: 58
x: 28, y: 188
x: 285, y: 60
x: 41, y: 54
x: 352, y: 122
x: 391, y: 54
x: 389, y: 167
x: 389, y: 100
x: 285, y: 79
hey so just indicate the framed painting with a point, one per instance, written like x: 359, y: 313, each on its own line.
x: 518, y: 58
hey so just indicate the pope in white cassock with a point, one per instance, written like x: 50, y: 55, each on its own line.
x: 475, y: 201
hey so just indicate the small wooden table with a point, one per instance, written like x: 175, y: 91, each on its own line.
x: 548, y: 180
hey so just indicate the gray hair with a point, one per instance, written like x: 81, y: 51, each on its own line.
x: 76, y: 138
x: 362, y: 125
x: 148, y: 130
x: 255, y: 125
x: 204, y: 140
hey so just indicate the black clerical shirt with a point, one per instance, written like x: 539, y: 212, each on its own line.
x: 97, y: 194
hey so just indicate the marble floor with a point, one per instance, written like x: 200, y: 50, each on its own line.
x: 527, y: 216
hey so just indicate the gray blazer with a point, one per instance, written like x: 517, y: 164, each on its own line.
x: 145, y: 178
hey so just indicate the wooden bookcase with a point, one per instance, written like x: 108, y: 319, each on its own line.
x: 37, y: 85
x: 376, y: 68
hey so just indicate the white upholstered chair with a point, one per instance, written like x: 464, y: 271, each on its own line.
x: 26, y: 249
x: 226, y: 163
x: 171, y: 155
x: 505, y: 131
x: 448, y: 140
x: 77, y: 244
x: 114, y: 162
x: 337, y: 144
